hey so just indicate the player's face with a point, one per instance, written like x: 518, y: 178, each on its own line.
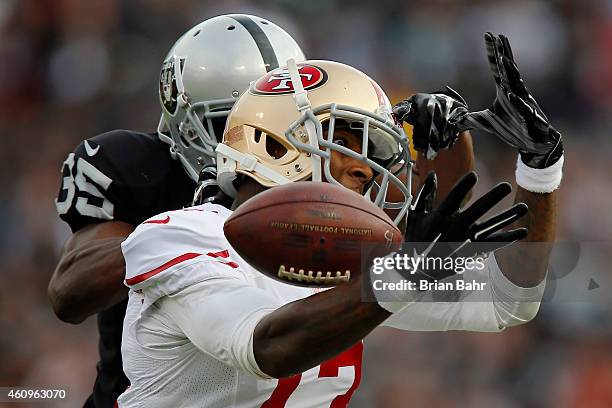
x: 350, y: 172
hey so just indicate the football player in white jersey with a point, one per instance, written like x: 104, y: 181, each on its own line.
x: 203, y: 328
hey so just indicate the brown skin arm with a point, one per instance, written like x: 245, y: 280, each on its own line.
x: 525, y: 263
x: 89, y: 275
x: 449, y: 165
x: 303, y: 334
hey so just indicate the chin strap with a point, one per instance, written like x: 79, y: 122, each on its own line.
x: 300, y: 95
x: 303, y: 105
x: 250, y: 163
x: 161, y: 127
x: 181, y: 98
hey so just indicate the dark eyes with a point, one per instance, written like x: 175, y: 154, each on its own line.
x: 340, y: 142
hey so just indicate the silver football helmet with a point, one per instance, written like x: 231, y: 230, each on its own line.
x: 205, y: 72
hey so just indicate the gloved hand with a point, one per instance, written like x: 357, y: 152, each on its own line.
x: 515, y: 116
x: 449, y: 231
x: 434, y: 118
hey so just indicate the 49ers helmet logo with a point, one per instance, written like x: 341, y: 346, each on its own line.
x: 278, y: 82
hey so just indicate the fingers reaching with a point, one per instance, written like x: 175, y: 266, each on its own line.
x: 503, y: 66
x: 493, y: 243
x: 427, y: 194
x: 492, y: 56
x: 488, y: 227
x: 516, y: 83
x: 457, y: 195
x: 508, y: 237
x: 456, y: 95
x: 506, y: 47
x: 487, y: 201
x: 499, y: 52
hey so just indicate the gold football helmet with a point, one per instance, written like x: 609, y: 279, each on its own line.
x: 275, y: 131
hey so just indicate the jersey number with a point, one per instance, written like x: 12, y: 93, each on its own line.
x: 330, y: 368
x: 86, y: 179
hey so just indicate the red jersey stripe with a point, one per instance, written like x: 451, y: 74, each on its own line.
x: 220, y: 254
x: 144, y: 276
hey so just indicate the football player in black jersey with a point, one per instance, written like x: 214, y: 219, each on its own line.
x: 114, y: 181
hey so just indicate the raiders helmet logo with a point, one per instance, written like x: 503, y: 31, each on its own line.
x: 168, y: 90
x: 278, y: 82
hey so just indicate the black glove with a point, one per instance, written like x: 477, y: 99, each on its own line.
x: 208, y: 191
x: 434, y: 118
x: 447, y: 231
x: 515, y: 116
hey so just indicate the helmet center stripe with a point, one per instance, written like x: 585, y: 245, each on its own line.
x: 262, y: 41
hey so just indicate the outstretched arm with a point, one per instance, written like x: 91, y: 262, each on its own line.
x: 526, y: 263
x: 331, y: 321
x: 518, y: 120
x: 302, y: 334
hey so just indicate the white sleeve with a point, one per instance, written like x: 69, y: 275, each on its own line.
x: 503, y: 305
x: 219, y: 317
x: 170, y: 241
x: 514, y: 305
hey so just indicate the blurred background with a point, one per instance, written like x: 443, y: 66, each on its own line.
x: 70, y: 69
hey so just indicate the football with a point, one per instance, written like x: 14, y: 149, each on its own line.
x: 310, y: 234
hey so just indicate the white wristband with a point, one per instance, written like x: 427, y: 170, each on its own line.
x: 539, y: 180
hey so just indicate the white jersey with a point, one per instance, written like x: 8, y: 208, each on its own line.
x: 187, y: 335
x: 194, y: 304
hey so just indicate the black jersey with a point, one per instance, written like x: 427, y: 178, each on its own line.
x: 125, y: 176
